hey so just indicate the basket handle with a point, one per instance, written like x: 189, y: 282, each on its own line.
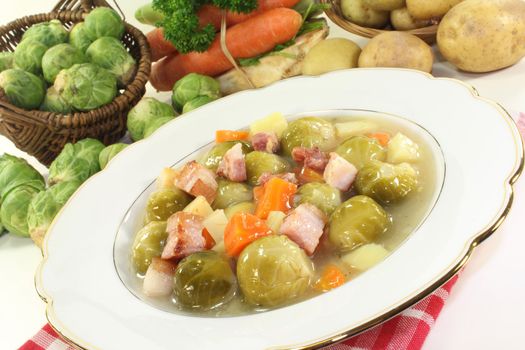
x: 84, y: 5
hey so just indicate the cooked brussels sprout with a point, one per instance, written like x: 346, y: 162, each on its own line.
x: 386, y: 183
x: 6, y: 60
x: 156, y: 123
x: 109, y: 53
x: 323, y: 196
x: 148, y: 244
x: 204, y: 281
x: 86, y: 86
x: 192, y: 86
x: 103, y: 21
x: 230, y: 193
x: 273, y: 271
x: 196, y: 103
x: 45, y: 206
x: 109, y: 152
x: 359, y: 150
x: 357, y: 221
x: 242, y: 207
x: 53, y: 102
x: 163, y: 203
x: 60, y: 57
x: 28, y: 56
x: 76, y: 162
x: 23, y: 89
x: 13, y: 212
x: 15, y: 172
x: 143, y: 114
x: 79, y: 37
x: 213, y: 158
x: 308, y: 132
x: 48, y: 33
x: 258, y: 163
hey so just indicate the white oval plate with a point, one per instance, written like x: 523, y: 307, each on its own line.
x: 89, y: 305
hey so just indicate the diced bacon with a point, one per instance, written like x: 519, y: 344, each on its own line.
x: 312, y: 158
x: 184, y: 235
x: 339, y: 173
x: 265, y: 142
x: 158, y: 280
x: 265, y: 177
x: 305, y: 226
x: 197, y: 180
x: 233, y: 165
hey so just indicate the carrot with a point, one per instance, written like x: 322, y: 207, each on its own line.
x: 382, y: 137
x: 159, y: 46
x: 305, y: 175
x: 250, y: 38
x: 258, y: 192
x: 210, y: 242
x: 331, y: 278
x: 241, y: 230
x: 231, y: 135
x: 278, y: 196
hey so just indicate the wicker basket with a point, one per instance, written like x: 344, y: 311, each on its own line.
x: 428, y: 34
x: 44, y: 134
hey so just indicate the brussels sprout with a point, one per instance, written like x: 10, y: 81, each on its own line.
x: 194, y: 85
x: 23, y: 89
x: 2, y: 228
x: 163, y: 203
x: 386, y: 183
x: 86, y: 86
x: 48, y: 33
x: 147, y: 110
x: 76, y: 162
x: 6, y: 60
x: 156, y: 123
x: 357, y: 221
x: 204, y: 281
x: 28, y: 56
x: 308, y: 132
x: 148, y: 244
x: 45, y: 206
x: 109, y: 152
x: 53, y: 102
x: 103, y: 21
x: 15, y: 172
x: 79, y: 37
x: 13, y: 212
x: 212, y: 159
x: 109, y: 53
x: 359, y: 150
x: 258, y: 163
x: 323, y: 196
x: 196, y: 103
x: 60, y: 57
x: 242, y: 207
x: 273, y: 271
x: 229, y: 193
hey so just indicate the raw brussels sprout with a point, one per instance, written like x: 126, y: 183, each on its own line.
x: 359, y: 150
x: 23, y: 89
x: 148, y: 244
x: 194, y: 85
x: 273, y: 271
x: 109, y: 152
x: 213, y: 158
x: 109, y: 53
x: 321, y: 195
x: 15, y: 172
x: 76, y: 162
x: 45, y: 206
x: 2, y: 228
x: 196, y: 103
x: 28, y: 56
x: 143, y: 114
x: 103, y: 21
x: 357, y: 221
x: 86, y: 86
x: 6, y: 60
x: 53, y: 102
x: 230, y: 193
x: 79, y: 37
x: 308, y: 132
x: 258, y: 163
x: 163, y: 203
x: 60, y: 57
x: 386, y: 183
x: 48, y: 33
x: 13, y: 212
x: 204, y: 281
x: 242, y: 207
x: 156, y: 123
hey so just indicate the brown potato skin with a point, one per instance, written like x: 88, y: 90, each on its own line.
x: 357, y: 12
x: 427, y: 9
x: 384, y: 5
x: 402, y: 20
x: 483, y: 35
x: 330, y: 55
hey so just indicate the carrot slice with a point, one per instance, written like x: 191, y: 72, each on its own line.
x: 278, y: 196
x: 231, y: 135
x: 331, y: 278
x: 382, y: 137
x: 258, y: 192
x: 241, y: 230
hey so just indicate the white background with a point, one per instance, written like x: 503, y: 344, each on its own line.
x: 486, y: 307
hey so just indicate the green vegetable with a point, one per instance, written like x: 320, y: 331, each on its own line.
x: 23, y: 89
x: 242, y: 207
x: 192, y: 86
x: 86, y: 86
x: 164, y: 203
x: 76, y: 162
x: 212, y: 159
x: 143, y: 114
x: 204, y: 281
x: 48, y: 33
x: 155, y: 124
x: 6, y: 60
x: 308, y: 132
x: 258, y: 163
x: 196, y: 103
x: 310, y: 8
x: 229, y: 193
x: 323, y: 196
x: 146, y: 14
x: 109, y: 152
x: 60, y: 57
x: 28, y: 56
x: 15, y: 172
x: 53, y: 102
x: 148, y: 244
x: 359, y: 150
x: 103, y: 21
x: 109, y: 53
x: 79, y: 37
x: 13, y: 212
x: 273, y: 271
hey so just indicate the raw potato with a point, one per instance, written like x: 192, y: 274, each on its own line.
x: 483, y: 35
x: 397, y: 49
x: 330, y: 55
x: 384, y: 5
x: 401, y: 19
x: 356, y: 12
x: 427, y: 9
